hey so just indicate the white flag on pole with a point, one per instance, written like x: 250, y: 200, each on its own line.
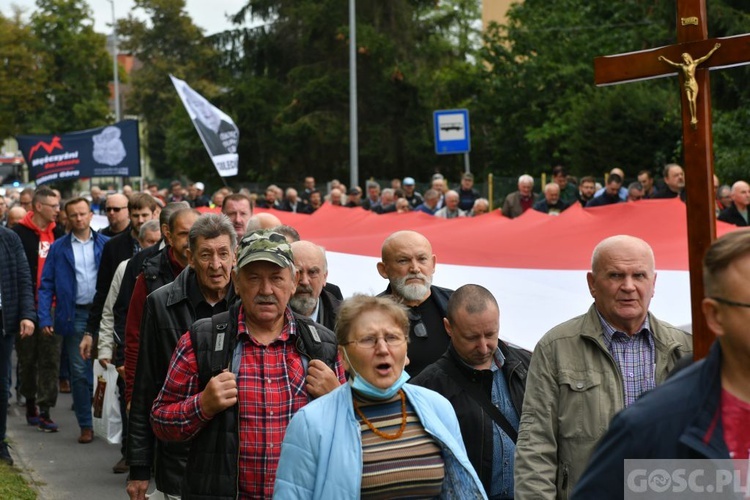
x: 218, y: 132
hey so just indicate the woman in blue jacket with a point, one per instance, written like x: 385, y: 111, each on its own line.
x: 375, y: 437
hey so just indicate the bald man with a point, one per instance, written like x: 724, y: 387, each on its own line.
x: 736, y: 213
x: 15, y: 215
x: 587, y: 369
x: 262, y: 220
x: 118, y: 216
x: 408, y: 264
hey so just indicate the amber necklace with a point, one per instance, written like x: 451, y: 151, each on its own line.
x: 369, y: 424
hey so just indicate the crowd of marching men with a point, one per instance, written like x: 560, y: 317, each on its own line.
x: 245, y: 373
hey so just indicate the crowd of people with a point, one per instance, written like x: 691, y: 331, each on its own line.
x: 245, y: 373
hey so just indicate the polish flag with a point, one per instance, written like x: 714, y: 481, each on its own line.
x: 535, y: 265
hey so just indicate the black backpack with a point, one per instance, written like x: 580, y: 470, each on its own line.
x: 314, y: 341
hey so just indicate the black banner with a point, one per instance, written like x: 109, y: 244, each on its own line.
x: 111, y: 151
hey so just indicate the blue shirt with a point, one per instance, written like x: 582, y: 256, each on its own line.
x: 85, y: 263
x: 504, y: 448
x: 634, y: 356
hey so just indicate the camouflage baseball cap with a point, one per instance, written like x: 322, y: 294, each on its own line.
x: 265, y: 244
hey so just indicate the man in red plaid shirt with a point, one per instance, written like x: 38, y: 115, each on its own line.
x: 237, y: 415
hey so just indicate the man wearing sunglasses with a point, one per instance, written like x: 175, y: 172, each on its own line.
x: 408, y: 264
x: 116, y: 209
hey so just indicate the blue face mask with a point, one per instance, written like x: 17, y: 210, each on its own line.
x: 368, y: 390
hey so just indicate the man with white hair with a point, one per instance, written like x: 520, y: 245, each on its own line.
x: 291, y: 202
x: 589, y: 368
x: 408, y: 264
x: 311, y: 299
x: 736, y: 213
x: 552, y: 203
x: 450, y: 210
x: 519, y: 201
x: 481, y: 206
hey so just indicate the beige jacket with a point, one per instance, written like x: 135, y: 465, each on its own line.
x: 572, y: 392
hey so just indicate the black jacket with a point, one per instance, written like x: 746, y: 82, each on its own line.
x: 476, y: 425
x: 680, y: 419
x: 732, y: 216
x: 119, y: 248
x: 168, y: 314
x: 603, y: 199
x: 330, y: 306
x: 212, y: 467
x: 15, y: 284
x: 419, y: 358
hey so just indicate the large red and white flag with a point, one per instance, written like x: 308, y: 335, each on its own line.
x: 535, y: 265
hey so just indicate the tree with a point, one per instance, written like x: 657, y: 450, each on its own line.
x: 169, y: 43
x: 76, y: 66
x: 22, y: 76
x: 291, y: 82
x: 540, y: 74
x: 539, y: 88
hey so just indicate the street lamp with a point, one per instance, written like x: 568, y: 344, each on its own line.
x: 115, y: 64
x: 353, y: 136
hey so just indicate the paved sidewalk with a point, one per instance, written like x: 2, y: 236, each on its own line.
x: 56, y: 465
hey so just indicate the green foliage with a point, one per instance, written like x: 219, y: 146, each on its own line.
x: 539, y: 87
x: 22, y: 77
x: 528, y: 85
x: 732, y: 145
x: 169, y: 43
x: 77, y: 68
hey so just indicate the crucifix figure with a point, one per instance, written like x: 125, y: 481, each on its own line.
x: 688, y: 76
x: 692, y: 38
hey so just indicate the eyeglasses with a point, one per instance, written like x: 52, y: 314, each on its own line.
x: 417, y: 324
x: 369, y: 342
x: 729, y: 302
x: 115, y: 209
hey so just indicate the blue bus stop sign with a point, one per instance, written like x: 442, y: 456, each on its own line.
x: 452, y: 131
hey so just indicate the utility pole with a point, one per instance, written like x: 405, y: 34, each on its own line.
x: 353, y: 135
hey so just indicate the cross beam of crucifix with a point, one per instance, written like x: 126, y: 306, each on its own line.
x: 692, y: 38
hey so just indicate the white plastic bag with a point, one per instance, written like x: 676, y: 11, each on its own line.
x: 109, y: 426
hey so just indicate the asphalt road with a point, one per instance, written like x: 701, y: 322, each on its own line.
x: 56, y: 465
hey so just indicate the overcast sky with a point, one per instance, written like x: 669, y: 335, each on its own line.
x: 208, y: 14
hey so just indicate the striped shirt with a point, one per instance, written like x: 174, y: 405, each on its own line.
x: 635, y: 357
x: 411, y: 466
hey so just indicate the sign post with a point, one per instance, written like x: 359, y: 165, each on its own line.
x: 452, y: 133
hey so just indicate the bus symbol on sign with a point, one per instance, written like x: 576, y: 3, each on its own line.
x: 452, y: 131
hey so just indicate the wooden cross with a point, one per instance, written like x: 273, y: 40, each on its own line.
x: 692, y: 38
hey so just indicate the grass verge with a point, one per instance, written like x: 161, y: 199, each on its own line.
x: 12, y: 484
